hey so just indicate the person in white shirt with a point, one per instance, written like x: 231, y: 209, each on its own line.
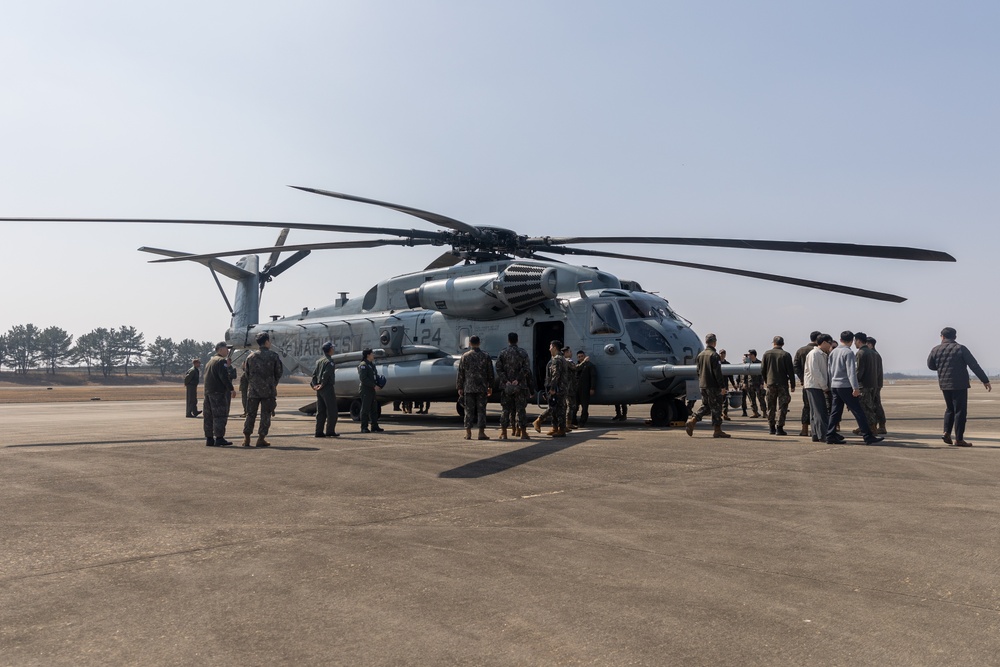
x: 845, y: 389
x: 815, y: 384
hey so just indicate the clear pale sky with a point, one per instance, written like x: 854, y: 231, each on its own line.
x: 853, y: 121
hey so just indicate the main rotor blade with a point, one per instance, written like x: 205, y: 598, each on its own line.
x: 814, y: 284
x: 334, y: 245
x: 273, y: 259
x: 819, y: 248
x: 434, y: 218
x: 441, y: 237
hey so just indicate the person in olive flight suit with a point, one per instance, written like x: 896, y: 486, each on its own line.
x: 218, y: 392
x: 713, y: 388
x: 879, y: 410
x: 326, y: 394
x: 367, y: 386
x: 475, y: 386
x: 264, y: 370
x: 191, y: 389
x: 867, y: 372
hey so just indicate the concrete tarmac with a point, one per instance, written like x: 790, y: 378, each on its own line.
x: 127, y: 541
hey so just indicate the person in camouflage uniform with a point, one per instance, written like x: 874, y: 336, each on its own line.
x: 263, y: 369
x: 475, y: 385
x: 218, y: 391
x: 326, y: 394
x: 556, y: 383
x: 778, y: 372
x: 191, y: 389
x: 713, y: 388
x: 516, y: 387
x: 571, y: 385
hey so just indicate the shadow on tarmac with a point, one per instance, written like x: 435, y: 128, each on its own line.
x: 506, y: 461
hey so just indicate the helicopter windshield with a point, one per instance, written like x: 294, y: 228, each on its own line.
x: 646, y: 339
x: 640, y: 308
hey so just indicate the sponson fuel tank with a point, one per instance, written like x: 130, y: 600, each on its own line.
x: 515, y: 289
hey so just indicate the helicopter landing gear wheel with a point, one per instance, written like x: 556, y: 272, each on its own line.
x: 356, y: 410
x: 661, y: 413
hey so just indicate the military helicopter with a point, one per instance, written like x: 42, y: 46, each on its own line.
x: 489, y: 282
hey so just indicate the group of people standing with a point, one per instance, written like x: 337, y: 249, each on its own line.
x: 568, y: 388
x: 834, y: 375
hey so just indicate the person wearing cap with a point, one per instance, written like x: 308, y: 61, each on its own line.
x: 218, y: 393
x: 712, y: 383
x: 753, y: 387
x: 326, y: 394
x: 951, y: 359
x: 367, y: 386
x: 779, y: 377
x: 264, y: 370
x: 475, y: 385
x: 191, y: 389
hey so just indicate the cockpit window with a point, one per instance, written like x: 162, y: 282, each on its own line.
x: 604, y: 319
x: 646, y: 339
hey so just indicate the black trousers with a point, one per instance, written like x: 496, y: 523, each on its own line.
x: 845, y: 397
x: 326, y: 412
x: 956, y: 411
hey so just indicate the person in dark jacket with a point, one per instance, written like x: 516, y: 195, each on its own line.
x: 950, y: 360
x: 191, y: 388
x: 586, y: 385
x: 326, y: 394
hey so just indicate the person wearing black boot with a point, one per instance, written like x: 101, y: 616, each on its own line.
x: 326, y: 394
x: 218, y: 392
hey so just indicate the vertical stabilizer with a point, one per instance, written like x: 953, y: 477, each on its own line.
x: 246, y: 311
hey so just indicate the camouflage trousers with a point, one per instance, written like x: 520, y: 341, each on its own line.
x: 475, y: 409
x: 879, y: 412
x: 869, y: 405
x: 215, y: 410
x: 513, y: 406
x: 571, y: 407
x: 266, y: 406
x: 778, y: 399
x: 711, y: 403
x: 753, y: 395
x: 558, y: 411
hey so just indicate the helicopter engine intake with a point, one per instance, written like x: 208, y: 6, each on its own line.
x: 514, y: 290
